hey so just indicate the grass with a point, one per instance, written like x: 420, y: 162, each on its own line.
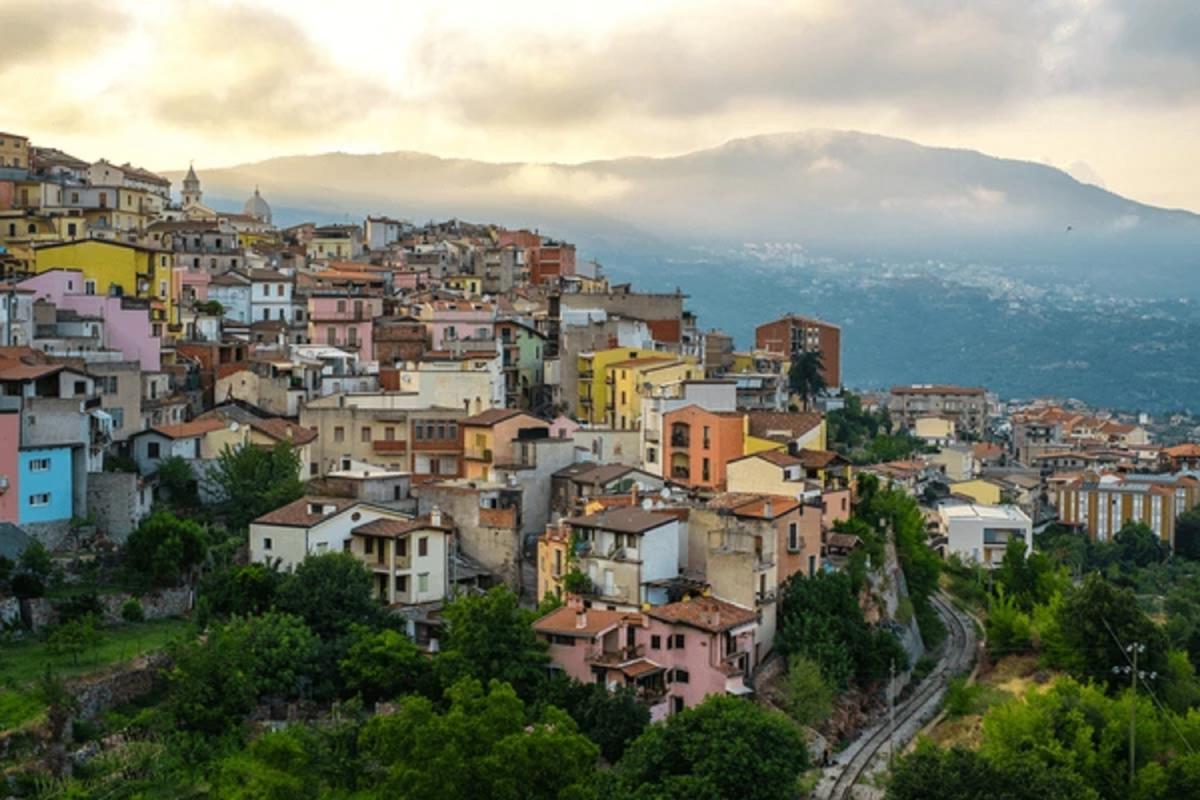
x: 23, y: 663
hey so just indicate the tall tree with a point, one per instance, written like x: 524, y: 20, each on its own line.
x: 806, y: 377
x: 724, y: 747
x: 490, y: 637
x: 1187, y: 534
x: 253, y: 480
x: 331, y: 592
x: 164, y: 549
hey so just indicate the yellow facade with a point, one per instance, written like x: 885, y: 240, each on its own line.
x: 593, y: 402
x: 467, y: 284
x: 980, y: 491
x: 756, y: 476
x: 478, y: 449
x: 553, y: 563
x: 933, y: 428
x: 755, y: 444
x: 631, y: 380
x: 117, y: 268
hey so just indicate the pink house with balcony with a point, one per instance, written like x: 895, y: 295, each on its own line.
x: 191, y: 284
x: 458, y: 320
x: 345, y: 321
x: 673, y: 656
x: 126, y: 319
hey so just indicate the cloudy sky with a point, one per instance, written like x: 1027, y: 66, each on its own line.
x: 1108, y: 89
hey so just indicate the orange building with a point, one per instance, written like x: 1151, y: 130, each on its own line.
x: 792, y: 335
x: 699, y: 443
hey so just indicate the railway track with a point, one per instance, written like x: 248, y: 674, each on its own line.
x: 922, y: 703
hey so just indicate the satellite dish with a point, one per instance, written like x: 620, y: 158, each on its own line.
x: 233, y: 426
x: 647, y: 504
x: 664, y: 493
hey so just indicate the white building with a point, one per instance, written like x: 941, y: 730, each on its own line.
x: 271, y: 296
x: 980, y: 533
x: 232, y: 291
x: 382, y: 231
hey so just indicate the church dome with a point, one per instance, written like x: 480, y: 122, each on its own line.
x: 257, y: 207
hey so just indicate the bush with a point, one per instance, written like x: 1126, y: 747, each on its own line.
x: 131, y: 610
x: 79, y: 606
x: 960, y: 697
x: 809, y: 698
x: 164, y: 548
x: 26, y: 586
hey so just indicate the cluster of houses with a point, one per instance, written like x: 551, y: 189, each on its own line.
x: 472, y: 406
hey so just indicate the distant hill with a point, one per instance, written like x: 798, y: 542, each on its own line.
x: 837, y: 193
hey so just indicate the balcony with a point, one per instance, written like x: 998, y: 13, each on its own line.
x: 681, y: 436
x: 652, y: 436
x: 389, y: 446
x: 403, y: 562
x: 681, y: 473
x: 622, y: 655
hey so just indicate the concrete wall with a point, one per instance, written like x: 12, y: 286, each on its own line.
x: 118, y: 501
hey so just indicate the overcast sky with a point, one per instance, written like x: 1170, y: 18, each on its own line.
x: 1108, y: 89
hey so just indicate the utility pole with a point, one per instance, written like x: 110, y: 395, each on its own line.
x: 1132, y: 651
x: 892, y: 713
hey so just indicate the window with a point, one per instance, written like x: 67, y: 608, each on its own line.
x: 41, y: 499
x: 339, y: 434
x: 704, y: 470
x: 707, y: 440
x: 389, y: 433
x: 351, y: 335
x: 346, y: 546
x: 266, y: 543
x: 423, y: 546
x: 39, y: 465
x: 341, y: 306
x: 812, y: 566
x: 368, y: 545
x: 312, y: 468
x: 402, y: 548
x: 366, y: 433
x: 656, y: 642
x: 152, y: 450
x: 279, y: 290
x: 89, y: 287
x: 118, y: 417
x: 678, y: 637
x: 793, y: 537
x: 331, y: 335
x: 681, y: 675
x: 423, y: 582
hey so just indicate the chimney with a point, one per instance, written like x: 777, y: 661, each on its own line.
x: 767, y: 509
x: 435, y: 517
x: 581, y: 619
x: 633, y: 494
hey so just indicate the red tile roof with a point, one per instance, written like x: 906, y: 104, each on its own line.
x: 704, y: 613
x: 299, y: 514
x: 566, y: 621
x: 186, y: 430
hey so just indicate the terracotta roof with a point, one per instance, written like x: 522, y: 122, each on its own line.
x: 846, y: 541
x: 282, y: 429
x: 780, y: 458
x: 640, y: 668
x: 791, y: 424
x: 754, y: 505
x: 623, y: 520
x: 565, y: 621
x: 598, y: 474
x: 398, y: 527
x: 984, y: 450
x: 186, y: 430
x: 704, y: 613
x: 493, y: 416
x: 1185, y: 450
x: 819, y: 459
x: 299, y: 514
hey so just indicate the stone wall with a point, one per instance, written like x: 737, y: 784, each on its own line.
x: 40, y: 611
x: 95, y: 695
x: 10, y: 610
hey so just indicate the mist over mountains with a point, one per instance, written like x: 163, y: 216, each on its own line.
x: 941, y: 264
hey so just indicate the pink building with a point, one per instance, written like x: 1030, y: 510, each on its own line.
x: 10, y: 434
x: 458, y: 320
x: 126, y: 319
x: 563, y: 427
x: 191, y: 284
x: 344, y: 321
x: 673, y: 655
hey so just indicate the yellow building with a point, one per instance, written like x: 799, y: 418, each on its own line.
x: 980, y: 490
x: 467, y: 284
x: 14, y: 151
x: 593, y: 402
x: 635, y: 378
x: 553, y: 560
x: 116, y: 268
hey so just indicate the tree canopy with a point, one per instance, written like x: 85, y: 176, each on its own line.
x: 253, y: 480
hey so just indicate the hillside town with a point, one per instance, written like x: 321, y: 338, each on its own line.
x: 474, y: 411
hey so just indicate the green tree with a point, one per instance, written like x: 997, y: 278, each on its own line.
x: 610, y: 719
x: 253, y: 480
x: 217, y: 679
x: 75, y: 638
x: 1009, y: 629
x: 331, y: 592
x: 723, y: 747
x: 164, y: 549
x: 806, y: 376
x: 930, y: 773
x: 35, y: 561
x: 178, y: 481
x: 809, y: 698
x: 1096, y: 621
x: 300, y: 762
x: 239, y: 589
x: 1187, y: 534
x: 1137, y: 545
x: 381, y: 665
x: 490, y: 637
x: 484, y: 745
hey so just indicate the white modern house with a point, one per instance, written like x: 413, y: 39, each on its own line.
x: 980, y: 533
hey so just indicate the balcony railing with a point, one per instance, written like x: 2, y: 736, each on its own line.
x: 681, y: 473
x: 680, y: 439
x: 390, y: 445
x: 652, y: 436
x: 621, y: 655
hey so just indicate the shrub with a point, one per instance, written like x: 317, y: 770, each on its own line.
x: 131, y: 610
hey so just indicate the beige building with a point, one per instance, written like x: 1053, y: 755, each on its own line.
x: 311, y: 526
x: 965, y: 407
x: 409, y: 560
x: 388, y: 429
